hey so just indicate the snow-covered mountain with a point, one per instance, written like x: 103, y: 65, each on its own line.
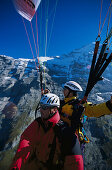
x: 20, y: 94
x: 76, y: 66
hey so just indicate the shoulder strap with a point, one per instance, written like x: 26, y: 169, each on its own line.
x: 58, y: 130
x: 58, y: 134
x: 73, y: 101
x: 52, y: 152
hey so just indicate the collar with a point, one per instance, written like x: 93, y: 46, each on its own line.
x: 54, y: 119
x: 69, y: 98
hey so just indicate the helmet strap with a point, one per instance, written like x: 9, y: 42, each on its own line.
x: 68, y: 93
x: 52, y: 114
x: 74, y: 92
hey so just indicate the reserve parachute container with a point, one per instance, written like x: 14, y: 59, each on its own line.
x: 26, y: 8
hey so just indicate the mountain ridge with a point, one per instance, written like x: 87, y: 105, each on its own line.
x: 20, y: 89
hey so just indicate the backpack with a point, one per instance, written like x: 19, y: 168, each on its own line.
x: 77, y: 120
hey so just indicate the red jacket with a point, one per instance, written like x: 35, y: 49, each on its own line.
x: 36, y: 143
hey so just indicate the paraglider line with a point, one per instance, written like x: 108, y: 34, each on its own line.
x: 105, y: 17
x: 37, y: 41
x: 100, y: 18
x: 46, y: 37
x: 37, y: 35
x: 30, y: 44
x: 52, y: 24
x: 33, y: 38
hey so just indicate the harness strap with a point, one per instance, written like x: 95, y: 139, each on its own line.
x: 75, y: 101
x: 66, y: 115
x: 49, y: 163
x: 52, y: 152
x: 79, y: 126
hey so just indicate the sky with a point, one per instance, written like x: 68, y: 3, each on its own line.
x: 71, y: 25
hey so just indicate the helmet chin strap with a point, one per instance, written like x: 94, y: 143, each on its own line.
x: 68, y: 93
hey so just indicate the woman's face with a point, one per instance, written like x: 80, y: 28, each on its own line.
x: 65, y: 91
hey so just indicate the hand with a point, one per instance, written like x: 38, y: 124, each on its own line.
x: 84, y: 100
x: 45, y: 91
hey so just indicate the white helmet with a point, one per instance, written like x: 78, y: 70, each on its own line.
x: 72, y: 85
x: 50, y: 100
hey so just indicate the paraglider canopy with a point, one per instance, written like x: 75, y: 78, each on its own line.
x: 26, y: 8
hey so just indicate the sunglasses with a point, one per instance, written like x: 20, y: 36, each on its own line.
x: 45, y: 107
x: 65, y: 88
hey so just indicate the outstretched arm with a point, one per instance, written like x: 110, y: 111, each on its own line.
x: 98, y: 109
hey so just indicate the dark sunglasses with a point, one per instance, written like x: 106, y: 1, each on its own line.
x: 65, y: 88
x: 46, y: 107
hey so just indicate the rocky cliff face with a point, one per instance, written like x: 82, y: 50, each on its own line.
x: 20, y: 94
x: 19, y: 97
